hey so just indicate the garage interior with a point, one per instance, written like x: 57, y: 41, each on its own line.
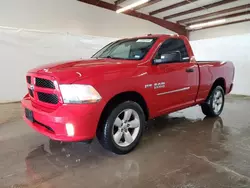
x: 184, y: 149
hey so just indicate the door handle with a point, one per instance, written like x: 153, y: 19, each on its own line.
x: 189, y: 70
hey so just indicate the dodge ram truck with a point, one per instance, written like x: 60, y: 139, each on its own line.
x: 114, y: 93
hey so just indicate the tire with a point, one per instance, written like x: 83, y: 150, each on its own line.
x: 215, y: 103
x: 119, y: 133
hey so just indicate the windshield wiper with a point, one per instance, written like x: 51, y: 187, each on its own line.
x: 111, y: 57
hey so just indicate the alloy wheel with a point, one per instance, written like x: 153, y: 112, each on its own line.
x: 126, y: 127
x: 217, y: 101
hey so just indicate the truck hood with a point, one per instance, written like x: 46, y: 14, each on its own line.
x: 69, y: 72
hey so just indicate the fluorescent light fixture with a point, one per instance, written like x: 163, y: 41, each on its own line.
x: 206, y: 24
x: 133, y: 5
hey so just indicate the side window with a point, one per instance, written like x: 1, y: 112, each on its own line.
x: 174, y: 49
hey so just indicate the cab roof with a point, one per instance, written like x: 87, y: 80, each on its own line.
x: 155, y: 36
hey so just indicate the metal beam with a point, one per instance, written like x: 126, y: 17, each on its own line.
x: 212, y: 5
x: 147, y: 4
x: 182, y: 3
x: 222, y: 17
x: 119, y: 2
x: 163, y: 23
x: 242, y: 7
x: 229, y: 23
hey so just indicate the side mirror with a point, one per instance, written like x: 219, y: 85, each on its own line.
x: 169, y: 58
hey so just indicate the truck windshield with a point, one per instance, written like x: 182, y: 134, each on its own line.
x: 130, y: 49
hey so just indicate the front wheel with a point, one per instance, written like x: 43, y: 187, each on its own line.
x: 215, y: 103
x: 122, y: 130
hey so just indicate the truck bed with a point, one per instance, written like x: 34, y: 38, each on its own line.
x: 212, y: 70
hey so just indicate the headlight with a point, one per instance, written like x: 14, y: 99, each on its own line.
x: 75, y: 93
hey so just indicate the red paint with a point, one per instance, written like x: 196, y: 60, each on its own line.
x: 111, y: 77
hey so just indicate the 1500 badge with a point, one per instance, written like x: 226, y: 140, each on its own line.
x: 156, y: 85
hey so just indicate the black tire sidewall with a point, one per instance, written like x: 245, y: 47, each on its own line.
x: 108, y: 127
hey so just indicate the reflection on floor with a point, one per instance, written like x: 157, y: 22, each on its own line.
x: 181, y: 150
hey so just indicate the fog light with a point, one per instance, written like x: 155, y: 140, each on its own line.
x: 70, y: 129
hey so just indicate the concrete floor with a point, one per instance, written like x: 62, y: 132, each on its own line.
x: 182, y: 150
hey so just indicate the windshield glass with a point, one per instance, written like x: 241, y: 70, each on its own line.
x: 131, y: 49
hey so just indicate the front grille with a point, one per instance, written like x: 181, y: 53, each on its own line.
x: 48, y: 98
x: 28, y: 79
x: 40, y: 82
x: 31, y: 93
x: 42, y: 90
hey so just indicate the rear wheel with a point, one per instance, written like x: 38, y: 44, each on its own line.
x: 122, y: 129
x: 215, y: 103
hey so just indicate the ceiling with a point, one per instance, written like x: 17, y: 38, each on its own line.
x: 189, y: 12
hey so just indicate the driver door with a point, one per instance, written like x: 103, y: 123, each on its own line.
x: 175, y: 77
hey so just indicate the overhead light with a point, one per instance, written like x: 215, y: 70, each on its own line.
x: 206, y: 24
x: 133, y: 5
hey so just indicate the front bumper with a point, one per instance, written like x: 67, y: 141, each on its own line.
x: 52, y: 122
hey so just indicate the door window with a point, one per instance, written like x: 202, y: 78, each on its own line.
x: 172, y: 50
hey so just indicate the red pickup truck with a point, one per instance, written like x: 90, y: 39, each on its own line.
x: 123, y: 85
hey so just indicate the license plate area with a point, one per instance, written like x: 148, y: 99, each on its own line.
x: 29, y: 115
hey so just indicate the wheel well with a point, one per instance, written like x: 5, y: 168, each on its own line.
x: 218, y: 82
x: 118, y: 99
